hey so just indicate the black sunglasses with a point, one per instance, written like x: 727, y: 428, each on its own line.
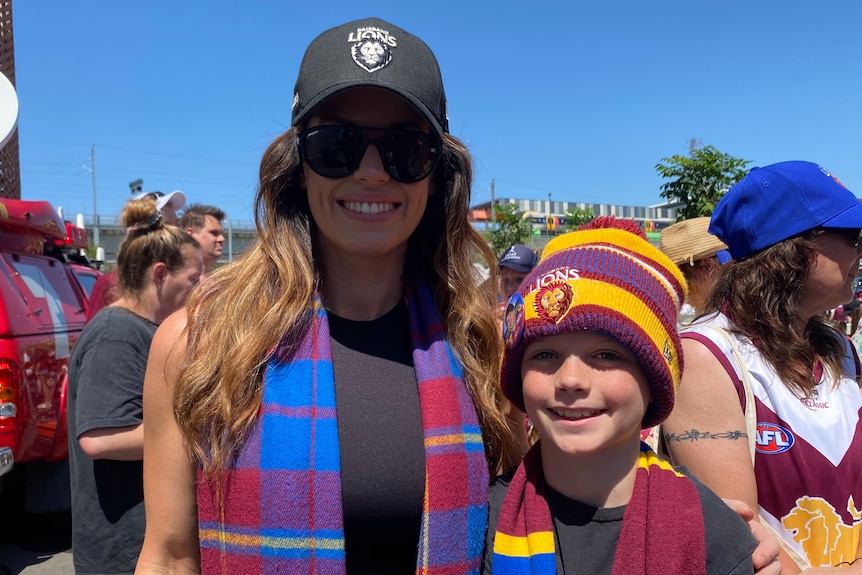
x: 335, y: 151
x: 853, y: 234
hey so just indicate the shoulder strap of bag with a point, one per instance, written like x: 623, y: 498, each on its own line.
x: 750, y: 412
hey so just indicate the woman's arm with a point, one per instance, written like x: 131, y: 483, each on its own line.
x: 706, y: 430
x: 119, y: 443
x: 171, y: 544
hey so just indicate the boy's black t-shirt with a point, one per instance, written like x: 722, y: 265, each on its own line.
x: 588, y: 535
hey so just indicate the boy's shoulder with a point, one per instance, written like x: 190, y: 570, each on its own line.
x: 729, y: 542
x: 499, y: 486
x: 505, y: 479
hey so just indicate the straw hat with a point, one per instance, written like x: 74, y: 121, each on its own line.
x: 688, y: 241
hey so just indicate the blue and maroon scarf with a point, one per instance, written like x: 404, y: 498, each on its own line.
x: 282, y: 497
x: 662, y: 532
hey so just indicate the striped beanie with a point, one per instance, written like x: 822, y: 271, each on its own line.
x: 606, y: 280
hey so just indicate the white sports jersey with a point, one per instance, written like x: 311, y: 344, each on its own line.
x: 808, y: 460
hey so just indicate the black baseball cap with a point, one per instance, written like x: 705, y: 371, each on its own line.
x: 519, y: 258
x: 370, y: 52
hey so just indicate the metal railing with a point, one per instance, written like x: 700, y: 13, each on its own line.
x: 239, y: 234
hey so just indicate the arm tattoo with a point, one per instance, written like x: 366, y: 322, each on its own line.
x: 694, y: 435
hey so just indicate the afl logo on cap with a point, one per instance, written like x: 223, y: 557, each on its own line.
x: 372, y: 48
x: 772, y: 439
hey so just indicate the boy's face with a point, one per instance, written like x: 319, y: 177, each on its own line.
x: 584, y: 392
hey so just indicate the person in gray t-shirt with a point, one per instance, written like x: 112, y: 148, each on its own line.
x: 158, y: 266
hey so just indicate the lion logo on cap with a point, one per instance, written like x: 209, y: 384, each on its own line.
x: 553, y: 301
x: 371, y: 54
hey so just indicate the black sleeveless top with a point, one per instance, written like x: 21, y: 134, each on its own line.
x: 381, y: 442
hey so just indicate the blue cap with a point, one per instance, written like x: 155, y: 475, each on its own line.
x: 519, y: 258
x: 780, y: 201
x: 723, y: 257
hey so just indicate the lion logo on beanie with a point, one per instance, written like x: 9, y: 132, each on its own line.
x: 553, y: 301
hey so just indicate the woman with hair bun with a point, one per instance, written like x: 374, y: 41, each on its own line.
x: 158, y: 266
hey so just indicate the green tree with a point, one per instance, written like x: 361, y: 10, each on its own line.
x: 509, y: 228
x: 700, y: 179
x: 577, y: 216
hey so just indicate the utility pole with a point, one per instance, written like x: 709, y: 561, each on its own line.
x: 96, y: 239
x: 493, y: 203
x: 229, y: 241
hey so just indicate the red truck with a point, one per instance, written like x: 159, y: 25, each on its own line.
x: 45, y: 281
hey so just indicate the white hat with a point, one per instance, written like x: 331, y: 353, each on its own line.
x: 177, y: 198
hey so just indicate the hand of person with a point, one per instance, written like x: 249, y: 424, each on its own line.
x: 765, y: 555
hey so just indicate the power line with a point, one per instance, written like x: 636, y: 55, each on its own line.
x: 148, y: 153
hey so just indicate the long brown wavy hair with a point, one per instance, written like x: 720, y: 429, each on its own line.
x: 761, y: 294
x: 245, y: 308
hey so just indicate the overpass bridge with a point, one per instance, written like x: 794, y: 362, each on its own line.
x: 239, y: 235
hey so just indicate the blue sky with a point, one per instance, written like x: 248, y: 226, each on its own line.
x: 574, y: 99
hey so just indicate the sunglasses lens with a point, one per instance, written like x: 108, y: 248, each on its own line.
x: 336, y: 151
x: 409, y: 156
x: 332, y: 151
x: 853, y: 234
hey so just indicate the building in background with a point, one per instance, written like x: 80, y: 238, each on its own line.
x: 10, y: 165
x: 548, y: 218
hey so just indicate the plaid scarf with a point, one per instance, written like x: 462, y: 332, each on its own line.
x: 662, y: 530
x: 282, y: 497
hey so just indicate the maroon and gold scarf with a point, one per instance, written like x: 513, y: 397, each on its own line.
x: 662, y: 533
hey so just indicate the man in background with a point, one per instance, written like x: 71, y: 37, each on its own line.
x: 515, y: 263
x: 204, y: 223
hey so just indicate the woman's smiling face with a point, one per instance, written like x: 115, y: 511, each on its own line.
x: 366, y: 213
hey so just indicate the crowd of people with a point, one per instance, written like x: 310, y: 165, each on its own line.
x: 346, y: 397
